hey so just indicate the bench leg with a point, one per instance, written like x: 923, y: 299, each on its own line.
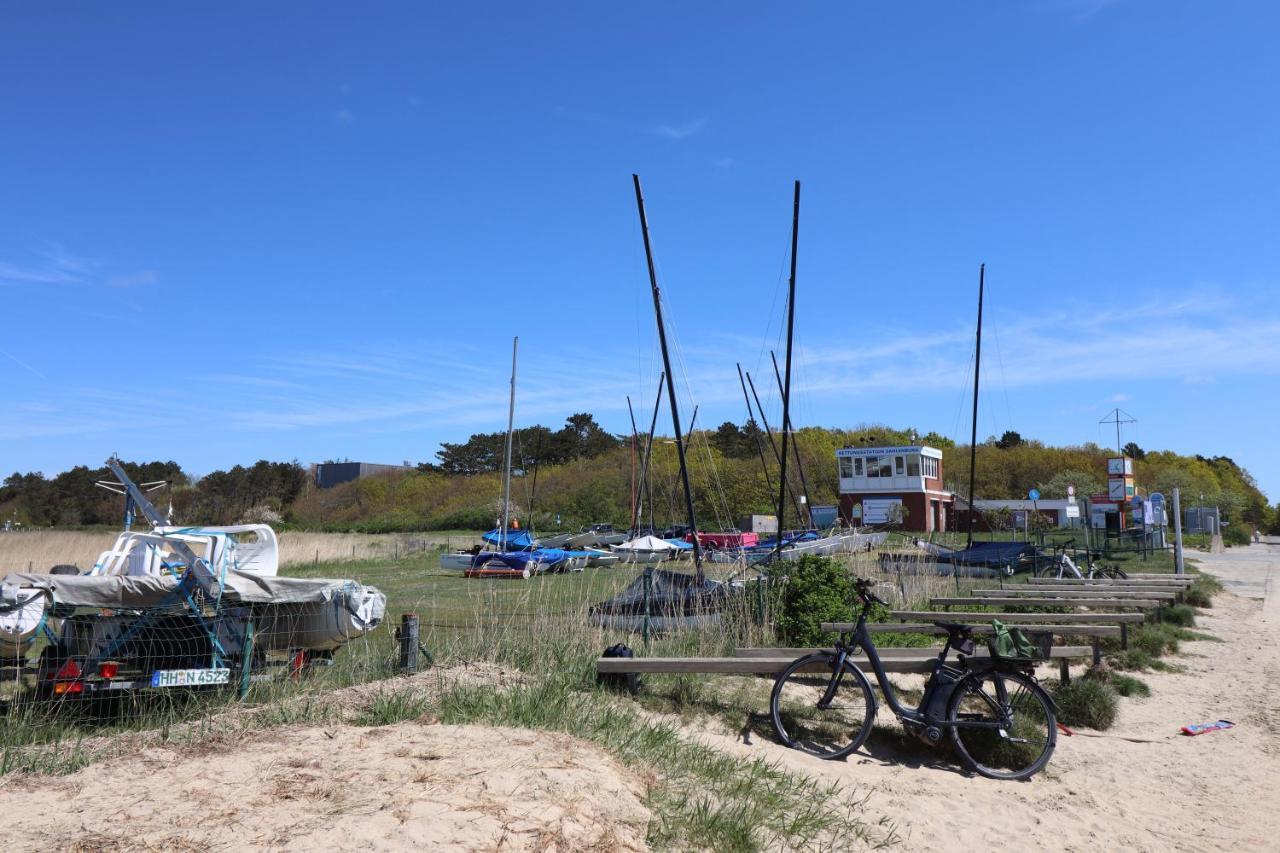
x: 1064, y: 671
x: 1097, y: 651
x: 1124, y: 636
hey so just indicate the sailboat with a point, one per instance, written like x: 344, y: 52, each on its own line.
x: 513, y: 552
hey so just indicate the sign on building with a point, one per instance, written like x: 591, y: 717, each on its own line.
x: 881, y: 510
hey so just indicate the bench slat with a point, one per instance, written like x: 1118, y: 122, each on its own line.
x: 1015, y: 601
x: 783, y: 659
x: 950, y: 615
x: 1065, y: 592
x: 979, y: 628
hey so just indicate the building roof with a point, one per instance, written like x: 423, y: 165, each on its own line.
x: 890, y: 450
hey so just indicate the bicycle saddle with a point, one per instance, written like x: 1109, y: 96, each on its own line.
x: 955, y: 628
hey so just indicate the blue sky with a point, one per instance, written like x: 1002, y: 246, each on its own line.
x: 237, y: 230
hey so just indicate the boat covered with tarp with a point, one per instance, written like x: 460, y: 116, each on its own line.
x: 667, y: 600
x: 84, y: 613
x: 988, y: 559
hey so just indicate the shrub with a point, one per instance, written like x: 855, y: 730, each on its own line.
x: 818, y: 589
x: 1154, y: 639
x: 1086, y: 702
x: 1125, y: 685
x: 1181, y: 615
x: 1201, y: 591
x: 1128, y: 685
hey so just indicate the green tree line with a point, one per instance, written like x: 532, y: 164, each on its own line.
x: 582, y: 474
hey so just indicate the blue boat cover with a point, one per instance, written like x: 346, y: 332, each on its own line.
x: 517, y: 540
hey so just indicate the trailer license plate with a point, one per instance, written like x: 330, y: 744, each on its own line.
x: 189, y: 677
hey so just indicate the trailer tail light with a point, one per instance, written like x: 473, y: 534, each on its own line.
x: 66, y: 679
x: 68, y: 671
x: 109, y: 669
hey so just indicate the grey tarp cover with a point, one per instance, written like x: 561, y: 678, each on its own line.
x: 140, y: 591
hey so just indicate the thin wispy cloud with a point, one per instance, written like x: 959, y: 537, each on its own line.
x: 344, y: 116
x: 681, y: 131
x: 405, y: 390
x: 54, y: 265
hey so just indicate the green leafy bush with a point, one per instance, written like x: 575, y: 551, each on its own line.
x: 1182, y: 615
x: 1201, y: 591
x: 1154, y: 638
x: 818, y: 590
x: 1086, y: 702
x: 1128, y: 685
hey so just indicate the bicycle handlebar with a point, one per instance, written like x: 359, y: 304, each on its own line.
x: 863, y: 587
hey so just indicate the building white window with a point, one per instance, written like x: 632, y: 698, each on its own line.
x: 930, y: 467
x: 857, y: 467
x: 898, y: 467
x: 873, y: 467
x: 846, y: 467
x: 885, y: 467
x: 913, y: 466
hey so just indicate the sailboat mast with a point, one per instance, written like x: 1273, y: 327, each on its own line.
x: 671, y: 385
x: 973, y: 432
x: 795, y: 447
x: 786, y: 387
x: 632, y: 412
x: 645, y: 490
x: 506, y: 465
x: 764, y: 419
x: 751, y: 417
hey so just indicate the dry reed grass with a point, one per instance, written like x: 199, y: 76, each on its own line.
x: 38, y: 550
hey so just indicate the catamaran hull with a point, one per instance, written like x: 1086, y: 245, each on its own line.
x: 322, y: 626
x: 20, y: 621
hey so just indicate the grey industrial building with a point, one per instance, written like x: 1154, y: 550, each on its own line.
x: 330, y: 474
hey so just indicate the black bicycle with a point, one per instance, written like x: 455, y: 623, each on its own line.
x: 1002, y: 723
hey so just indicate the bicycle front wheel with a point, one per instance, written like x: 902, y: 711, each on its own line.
x: 820, y: 711
x: 1002, y: 724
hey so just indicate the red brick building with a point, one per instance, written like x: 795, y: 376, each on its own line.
x: 888, y: 485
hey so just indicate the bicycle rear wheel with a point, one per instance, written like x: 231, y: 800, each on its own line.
x: 803, y: 721
x: 1012, y: 731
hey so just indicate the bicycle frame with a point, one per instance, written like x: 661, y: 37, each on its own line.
x: 862, y: 639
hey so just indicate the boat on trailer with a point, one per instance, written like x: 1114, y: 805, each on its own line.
x: 176, y: 606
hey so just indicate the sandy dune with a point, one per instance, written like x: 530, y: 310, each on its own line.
x: 1138, y: 786
x: 410, y: 786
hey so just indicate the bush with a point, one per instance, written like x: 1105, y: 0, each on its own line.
x: 1154, y: 639
x: 1086, y: 702
x: 1181, y: 615
x: 1127, y: 685
x: 1201, y: 591
x: 818, y: 589
x: 1236, y: 534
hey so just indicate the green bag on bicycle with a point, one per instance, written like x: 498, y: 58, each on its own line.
x: 1011, y: 643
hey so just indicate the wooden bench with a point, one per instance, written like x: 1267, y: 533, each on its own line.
x: 1018, y: 601
x: 980, y: 627
x: 1073, y: 592
x: 1173, y: 580
x: 1165, y: 592
x: 1112, y: 621
x: 774, y: 661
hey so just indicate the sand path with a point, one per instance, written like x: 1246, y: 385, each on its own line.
x: 1138, y: 786
x: 403, y: 787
